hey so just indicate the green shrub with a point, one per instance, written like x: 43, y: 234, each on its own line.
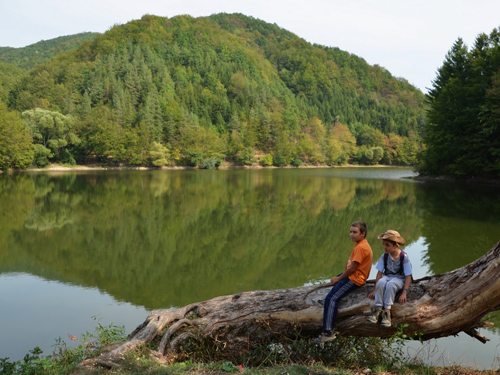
x: 266, y: 160
x: 279, y: 160
x: 211, y: 163
x: 193, y: 158
x: 245, y: 156
x: 42, y: 155
x: 296, y: 162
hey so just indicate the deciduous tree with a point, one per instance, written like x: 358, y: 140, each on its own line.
x: 16, y: 143
x: 53, y: 132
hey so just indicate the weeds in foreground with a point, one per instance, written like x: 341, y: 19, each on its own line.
x: 394, y: 350
x: 294, y: 356
x: 64, y: 359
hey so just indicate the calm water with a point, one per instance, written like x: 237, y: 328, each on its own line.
x: 112, y: 245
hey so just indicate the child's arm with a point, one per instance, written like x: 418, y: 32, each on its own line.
x: 402, y: 297
x: 347, y: 272
x: 377, y: 278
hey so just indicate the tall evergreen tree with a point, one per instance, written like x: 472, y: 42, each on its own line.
x: 462, y: 130
x: 447, y: 118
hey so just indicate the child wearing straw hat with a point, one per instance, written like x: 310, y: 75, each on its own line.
x: 394, y: 273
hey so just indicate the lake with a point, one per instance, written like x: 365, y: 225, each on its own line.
x: 109, y: 246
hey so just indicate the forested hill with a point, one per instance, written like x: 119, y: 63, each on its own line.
x: 34, y: 54
x: 199, y: 91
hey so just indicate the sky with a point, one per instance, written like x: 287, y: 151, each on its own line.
x: 409, y: 38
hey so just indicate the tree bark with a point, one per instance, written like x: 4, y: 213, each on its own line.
x: 437, y: 306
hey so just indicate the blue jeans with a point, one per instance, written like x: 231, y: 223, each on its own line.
x: 340, y: 290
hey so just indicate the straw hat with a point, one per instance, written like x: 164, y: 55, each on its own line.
x: 392, y: 235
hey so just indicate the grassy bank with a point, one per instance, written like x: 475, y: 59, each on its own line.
x: 228, y: 368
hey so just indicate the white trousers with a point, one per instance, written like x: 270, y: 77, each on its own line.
x: 386, y: 290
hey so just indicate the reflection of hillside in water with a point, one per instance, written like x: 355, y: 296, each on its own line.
x: 460, y: 223
x: 164, y: 238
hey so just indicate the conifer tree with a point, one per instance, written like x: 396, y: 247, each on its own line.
x: 462, y: 130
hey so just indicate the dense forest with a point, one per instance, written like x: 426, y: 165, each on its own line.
x: 32, y: 55
x: 463, y: 130
x: 200, y: 92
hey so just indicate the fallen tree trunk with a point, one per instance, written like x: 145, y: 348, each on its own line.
x: 438, y: 306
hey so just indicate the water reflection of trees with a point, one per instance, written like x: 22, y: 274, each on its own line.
x: 460, y: 223
x: 17, y: 200
x: 167, y: 238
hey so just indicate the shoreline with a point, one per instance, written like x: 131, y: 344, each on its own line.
x: 461, y: 180
x: 226, y: 166
x: 98, y: 167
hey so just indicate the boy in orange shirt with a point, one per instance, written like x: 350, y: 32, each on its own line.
x: 355, y: 273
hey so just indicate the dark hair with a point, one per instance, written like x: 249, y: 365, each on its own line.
x: 361, y: 225
x: 394, y: 243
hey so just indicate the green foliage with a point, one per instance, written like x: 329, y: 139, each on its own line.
x: 266, y: 160
x: 193, y: 158
x: 400, y: 151
x: 211, y: 163
x: 369, y: 155
x: 245, y: 156
x: 229, y: 367
x: 378, y: 153
x: 37, y: 53
x: 42, y: 155
x: 160, y: 155
x: 279, y: 160
x: 220, y: 85
x: 296, y: 162
x: 463, y: 133
x: 16, y: 145
x: 395, y: 356
x: 340, y: 145
x: 53, y: 135
x: 8, y: 76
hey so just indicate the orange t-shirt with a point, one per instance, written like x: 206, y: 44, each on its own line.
x: 361, y: 253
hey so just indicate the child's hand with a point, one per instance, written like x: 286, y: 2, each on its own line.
x: 402, y: 298
x: 371, y: 295
x: 334, y: 280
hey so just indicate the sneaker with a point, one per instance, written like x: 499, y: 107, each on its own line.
x: 374, y: 318
x: 386, y: 318
x: 324, y: 337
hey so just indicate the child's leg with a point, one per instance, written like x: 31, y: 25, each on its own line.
x: 380, y: 291
x: 391, y: 288
x: 341, y: 289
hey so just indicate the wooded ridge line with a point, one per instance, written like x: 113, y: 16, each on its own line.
x: 230, y: 88
x: 202, y: 91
